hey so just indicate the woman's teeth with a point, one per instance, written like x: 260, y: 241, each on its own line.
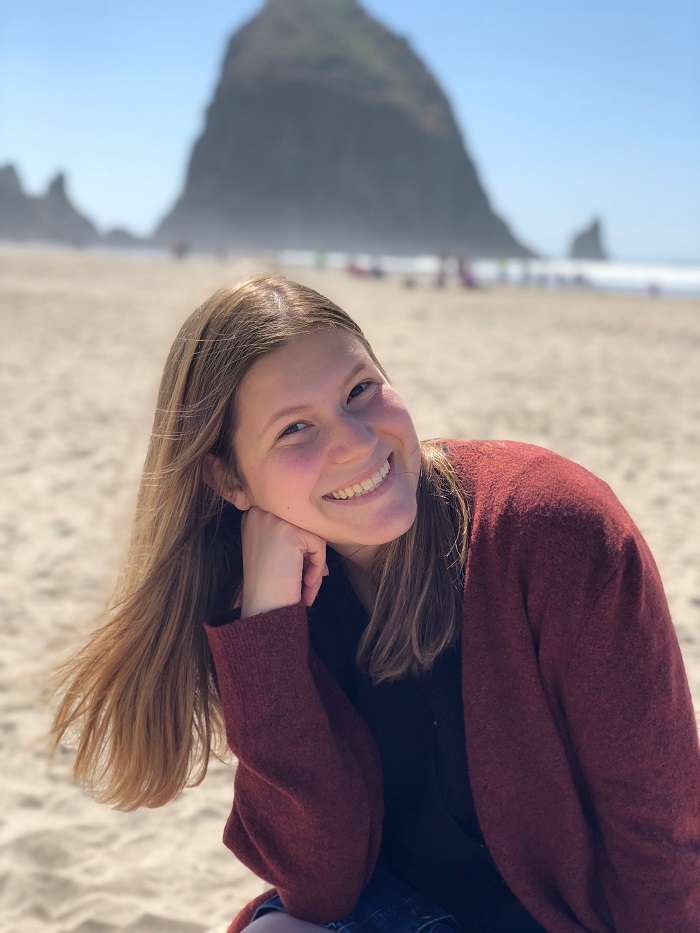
x: 367, y: 485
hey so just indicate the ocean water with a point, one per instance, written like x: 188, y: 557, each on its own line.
x: 640, y: 278
x: 657, y: 278
x: 668, y: 279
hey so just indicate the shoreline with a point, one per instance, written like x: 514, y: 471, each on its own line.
x: 680, y: 280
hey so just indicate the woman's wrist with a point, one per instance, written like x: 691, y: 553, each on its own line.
x: 255, y: 604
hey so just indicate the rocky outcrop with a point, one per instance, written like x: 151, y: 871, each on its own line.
x: 121, y: 238
x: 48, y: 218
x: 588, y: 244
x: 327, y: 131
x: 17, y: 211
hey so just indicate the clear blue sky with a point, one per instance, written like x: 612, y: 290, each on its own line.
x: 569, y: 109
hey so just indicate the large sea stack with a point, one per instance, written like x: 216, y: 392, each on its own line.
x: 327, y: 131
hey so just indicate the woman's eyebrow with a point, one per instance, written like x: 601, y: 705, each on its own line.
x: 301, y: 408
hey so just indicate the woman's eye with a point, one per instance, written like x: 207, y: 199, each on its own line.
x: 359, y: 388
x: 293, y: 428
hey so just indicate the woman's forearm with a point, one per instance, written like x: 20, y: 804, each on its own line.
x: 307, y: 806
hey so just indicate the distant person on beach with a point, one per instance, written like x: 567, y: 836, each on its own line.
x: 440, y: 280
x: 465, y: 276
x: 446, y: 668
x: 180, y: 249
x: 354, y: 268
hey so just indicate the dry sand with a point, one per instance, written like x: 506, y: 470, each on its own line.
x: 612, y: 382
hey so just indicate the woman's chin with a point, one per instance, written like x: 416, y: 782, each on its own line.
x: 386, y: 529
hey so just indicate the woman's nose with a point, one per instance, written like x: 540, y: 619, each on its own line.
x: 351, y: 438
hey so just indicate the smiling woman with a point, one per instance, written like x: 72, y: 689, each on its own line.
x: 348, y: 471
x: 447, y: 670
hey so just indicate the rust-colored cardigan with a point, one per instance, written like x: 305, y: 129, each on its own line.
x: 581, y: 739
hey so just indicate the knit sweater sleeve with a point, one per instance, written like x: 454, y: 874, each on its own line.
x: 307, y: 807
x: 630, y: 718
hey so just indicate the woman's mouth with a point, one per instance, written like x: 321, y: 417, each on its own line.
x: 365, y: 486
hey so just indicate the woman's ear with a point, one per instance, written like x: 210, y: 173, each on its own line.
x: 218, y: 476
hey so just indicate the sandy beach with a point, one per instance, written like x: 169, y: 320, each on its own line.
x: 610, y: 381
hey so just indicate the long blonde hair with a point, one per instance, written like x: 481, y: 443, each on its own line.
x: 142, y: 695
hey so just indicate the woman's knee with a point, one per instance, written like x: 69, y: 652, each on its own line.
x: 275, y: 921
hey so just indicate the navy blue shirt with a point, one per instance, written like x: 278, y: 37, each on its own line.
x: 431, y: 836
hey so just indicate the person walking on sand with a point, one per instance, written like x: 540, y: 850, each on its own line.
x: 447, y: 669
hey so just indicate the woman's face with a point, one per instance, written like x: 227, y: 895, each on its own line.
x: 325, y: 443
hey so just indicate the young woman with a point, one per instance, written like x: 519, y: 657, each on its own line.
x: 447, y: 670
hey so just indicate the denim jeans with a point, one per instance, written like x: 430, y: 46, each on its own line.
x: 386, y: 905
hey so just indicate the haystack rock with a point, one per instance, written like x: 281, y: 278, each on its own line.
x: 327, y: 131
x: 50, y: 217
x: 588, y: 244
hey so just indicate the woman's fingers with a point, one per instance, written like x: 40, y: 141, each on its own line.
x: 309, y: 593
x: 281, y: 563
x: 315, y: 561
x: 313, y: 578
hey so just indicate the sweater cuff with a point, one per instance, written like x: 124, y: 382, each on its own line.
x: 260, y: 655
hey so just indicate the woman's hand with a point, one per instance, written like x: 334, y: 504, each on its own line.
x: 282, y: 563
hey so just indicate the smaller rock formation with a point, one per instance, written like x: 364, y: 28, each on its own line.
x: 16, y: 209
x: 121, y: 238
x: 59, y: 220
x: 47, y: 218
x: 588, y: 244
